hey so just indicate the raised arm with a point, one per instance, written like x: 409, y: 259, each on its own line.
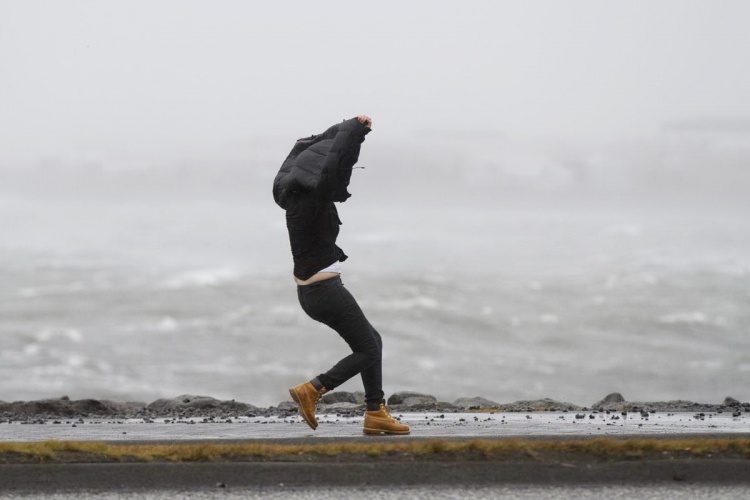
x: 344, y: 154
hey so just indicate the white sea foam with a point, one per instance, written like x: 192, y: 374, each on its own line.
x: 277, y: 369
x: 549, y: 319
x: 631, y: 280
x: 37, y: 291
x: 426, y: 363
x: 237, y: 314
x: 48, y: 334
x: 687, y: 317
x: 418, y: 302
x: 721, y: 321
x: 167, y: 324
x: 75, y: 360
x: 103, y: 366
x: 706, y: 364
x: 32, y: 349
x: 283, y: 310
x: 200, y: 278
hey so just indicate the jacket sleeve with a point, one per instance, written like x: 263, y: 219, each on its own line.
x: 305, y: 142
x: 342, y: 157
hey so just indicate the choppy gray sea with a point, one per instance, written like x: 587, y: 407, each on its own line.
x: 135, y: 301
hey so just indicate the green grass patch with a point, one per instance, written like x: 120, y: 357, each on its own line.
x: 479, y: 449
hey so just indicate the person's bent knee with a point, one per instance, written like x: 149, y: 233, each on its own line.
x: 372, y: 351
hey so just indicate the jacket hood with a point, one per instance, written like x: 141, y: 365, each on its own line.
x: 321, y: 164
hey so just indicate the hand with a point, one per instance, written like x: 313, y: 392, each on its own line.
x: 366, y: 120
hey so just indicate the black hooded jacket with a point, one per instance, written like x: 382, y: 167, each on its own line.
x: 314, y: 175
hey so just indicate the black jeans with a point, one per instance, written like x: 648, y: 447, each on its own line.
x: 329, y: 302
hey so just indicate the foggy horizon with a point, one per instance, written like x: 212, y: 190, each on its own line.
x: 681, y: 163
x: 586, y: 98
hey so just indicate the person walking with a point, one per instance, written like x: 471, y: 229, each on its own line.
x: 313, y: 177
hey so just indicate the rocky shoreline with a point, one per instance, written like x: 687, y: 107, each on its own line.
x: 340, y: 402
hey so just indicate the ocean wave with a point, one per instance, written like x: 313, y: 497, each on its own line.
x: 412, y: 303
x: 284, y: 310
x: 238, y: 314
x: 200, y: 278
x: 687, y: 317
x: 549, y: 319
x: 39, y: 357
x: 47, y: 334
x: 276, y: 369
x: 167, y: 324
x: 427, y: 364
x: 37, y: 291
x: 633, y: 280
x: 72, y: 366
x: 707, y: 364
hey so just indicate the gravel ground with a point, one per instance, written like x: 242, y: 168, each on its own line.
x: 427, y: 425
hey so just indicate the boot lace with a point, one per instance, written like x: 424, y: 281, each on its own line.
x: 384, y: 409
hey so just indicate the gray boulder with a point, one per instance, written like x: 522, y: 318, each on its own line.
x: 545, y: 404
x: 730, y: 401
x: 416, y: 401
x: 401, y: 397
x: 64, y: 407
x: 184, y: 401
x: 410, y: 399
x: 288, y: 406
x: 611, y: 401
x: 615, y: 402
x: 343, y: 397
x: 342, y: 406
x: 192, y: 404
x: 475, y: 403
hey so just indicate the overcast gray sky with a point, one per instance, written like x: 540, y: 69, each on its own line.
x: 141, y: 83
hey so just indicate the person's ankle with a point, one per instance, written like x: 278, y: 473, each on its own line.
x: 373, y: 405
x: 318, y: 385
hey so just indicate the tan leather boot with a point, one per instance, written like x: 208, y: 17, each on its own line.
x: 306, y: 396
x: 381, y: 422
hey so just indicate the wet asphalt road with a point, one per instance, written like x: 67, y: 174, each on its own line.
x: 460, y: 492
